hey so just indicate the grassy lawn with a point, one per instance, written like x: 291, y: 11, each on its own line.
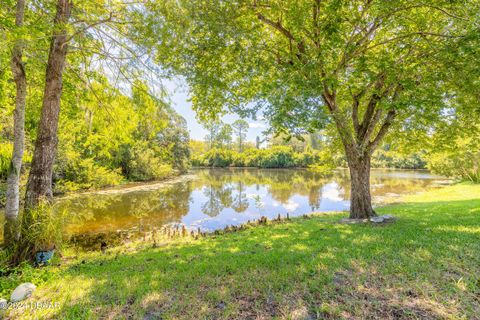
x: 425, y: 266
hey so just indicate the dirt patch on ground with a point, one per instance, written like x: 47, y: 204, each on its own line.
x: 367, y: 296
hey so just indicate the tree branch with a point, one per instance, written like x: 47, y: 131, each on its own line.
x: 407, y: 35
x: 355, y: 106
x: 383, y: 131
x: 276, y: 25
x: 96, y: 23
x: 279, y: 27
x: 371, y: 127
x: 374, y: 99
x: 347, y: 54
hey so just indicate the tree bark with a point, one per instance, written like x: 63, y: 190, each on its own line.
x: 360, y: 198
x: 40, y: 179
x: 240, y: 141
x: 11, y: 234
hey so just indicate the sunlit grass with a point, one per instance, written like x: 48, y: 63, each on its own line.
x: 426, y: 266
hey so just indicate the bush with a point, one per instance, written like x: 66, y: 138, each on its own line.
x: 278, y: 157
x: 253, y: 157
x: 306, y: 159
x: 41, y: 230
x: 391, y: 159
x: 145, y: 166
x: 196, y: 161
x: 84, y: 174
x: 462, y: 164
x: 218, y: 158
x: 239, y: 160
x: 248, y: 158
x: 323, y: 170
x: 5, y: 158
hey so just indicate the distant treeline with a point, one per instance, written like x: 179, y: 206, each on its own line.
x: 274, y: 157
x: 288, y: 157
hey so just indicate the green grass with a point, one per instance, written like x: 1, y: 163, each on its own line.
x: 425, y: 266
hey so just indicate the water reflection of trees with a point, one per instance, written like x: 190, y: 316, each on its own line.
x: 229, y: 186
x: 280, y: 184
x: 240, y: 201
x: 221, y: 193
x: 219, y: 197
x: 93, y: 213
x: 223, y: 188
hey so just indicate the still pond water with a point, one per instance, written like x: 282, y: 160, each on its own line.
x: 210, y: 199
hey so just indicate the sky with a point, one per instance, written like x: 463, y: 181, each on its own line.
x: 179, y: 96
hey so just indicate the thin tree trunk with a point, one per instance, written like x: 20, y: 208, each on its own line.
x: 40, y: 179
x: 13, y: 179
x: 240, y: 140
x: 360, y: 198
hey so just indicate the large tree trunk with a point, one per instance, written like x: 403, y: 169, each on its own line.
x: 10, y: 234
x: 360, y: 198
x: 359, y: 144
x: 40, y: 179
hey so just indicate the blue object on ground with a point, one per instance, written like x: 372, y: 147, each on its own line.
x: 44, y: 257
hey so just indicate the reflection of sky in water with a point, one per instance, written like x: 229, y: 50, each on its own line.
x: 260, y: 203
x: 217, y: 198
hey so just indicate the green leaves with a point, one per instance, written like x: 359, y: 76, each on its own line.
x: 283, y: 58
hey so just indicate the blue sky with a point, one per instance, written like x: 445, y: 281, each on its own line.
x: 179, y: 96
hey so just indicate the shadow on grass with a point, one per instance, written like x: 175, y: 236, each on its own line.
x: 425, y: 265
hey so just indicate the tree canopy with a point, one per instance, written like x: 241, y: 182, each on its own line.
x: 363, y: 66
x: 115, y: 121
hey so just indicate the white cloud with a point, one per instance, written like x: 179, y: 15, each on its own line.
x: 291, y: 205
x: 331, y: 192
x: 257, y: 125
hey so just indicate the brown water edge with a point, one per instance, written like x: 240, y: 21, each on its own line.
x: 167, y: 233
x: 115, y: 190
x: 135, y: 186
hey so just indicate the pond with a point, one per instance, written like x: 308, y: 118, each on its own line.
x: 211, y: 199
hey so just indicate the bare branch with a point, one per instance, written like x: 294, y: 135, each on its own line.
x: 276, y: 25
x: 408, y: 35
x: 424, y: 5
x: 347, y: 54
x: 96, y: 23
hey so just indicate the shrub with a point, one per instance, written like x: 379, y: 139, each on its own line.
x: 456, y: 157
x: 253, y: 157
x: 275, y: 157
x: 84, y: 174
x: 218, y: 158
x: 41, y: 229
x: 323, y: 170
x: 462, y: 164
x: 306, y: 159
x: 239, y: 160
x: 196, y: 161
x: 5, y: 158
x: 278, y: 157
x: 144, y: 166
x: 391, y: 159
